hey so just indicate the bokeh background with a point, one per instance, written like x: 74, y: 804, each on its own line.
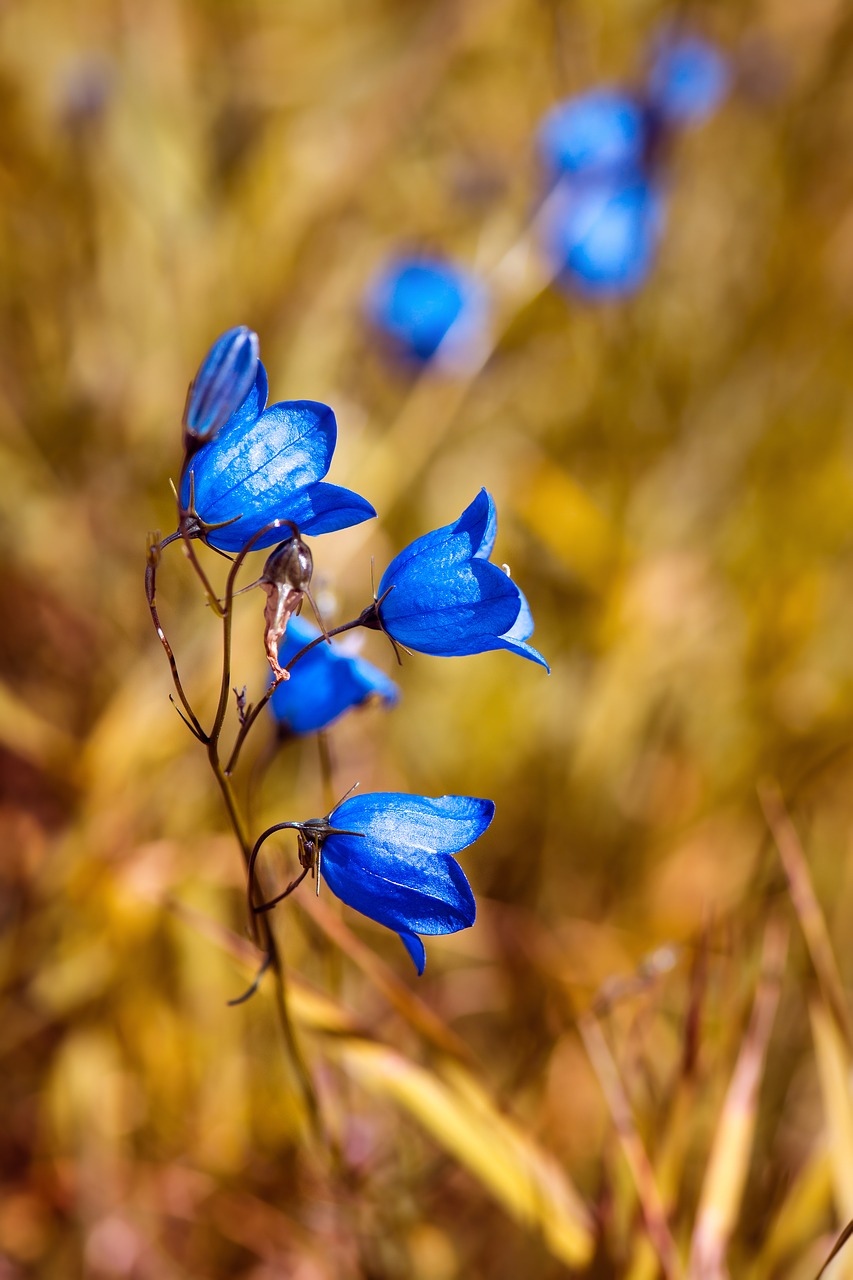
x: 638, y: 1061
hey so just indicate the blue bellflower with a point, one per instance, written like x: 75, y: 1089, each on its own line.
x: 601, y: 132
x: 442, y: 596
x: 423, y: 304
x: 401, y: 869
x: 324, y: 684
x: 603, y: 236
x: 688, y: 79
x: 268, y: 464
x: 224, y: 379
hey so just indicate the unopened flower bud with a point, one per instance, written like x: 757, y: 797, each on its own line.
x: 224, y: 379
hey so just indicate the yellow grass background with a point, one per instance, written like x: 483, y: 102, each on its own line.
x: 638, y: 1062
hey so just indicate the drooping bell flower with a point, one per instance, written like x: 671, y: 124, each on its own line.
x: 429, y: 306
x: 602, y: 132
x: 393, y: 858
x: 268, y: 464
x: 602, y: 236
x: 224, y: 379
x: 325, y: 684
x: 442, y: 596
x: 688, y: 79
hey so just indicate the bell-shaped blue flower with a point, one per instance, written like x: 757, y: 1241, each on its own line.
x: 602, y: 235
x: 688, y: 79
x: 401, y: 870
x: 423, y: 304
x: 324, y: 684
x: 268, y: 464
x: 224, y: 379
x: 601, y: 132
x: 442, y: 596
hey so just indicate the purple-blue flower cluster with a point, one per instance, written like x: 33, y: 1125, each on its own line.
x: 251, y: 469
x: 602, y: 154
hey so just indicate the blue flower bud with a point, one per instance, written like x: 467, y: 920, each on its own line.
x: 423, y: 304
x: 442, y: 596
x: 688, y: 80
x: 324, y: 684
x: 400, y: 870
x: 267, y: 464
x: 224, y: 379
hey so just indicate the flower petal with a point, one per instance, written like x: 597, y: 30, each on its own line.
x: 268, y: 469
x: 473, y: 534
x: 325, y: 508
x: 429, y: 896
x: 324, y: 684
x: 415, y: 948
x: 450, y: 610
x: 288, y: 446
x: 411, y: 823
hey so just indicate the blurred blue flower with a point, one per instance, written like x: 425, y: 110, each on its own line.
x: 400, y: 870
x: 602, y: 236
x: 421, y: 304
x: 688, y: 79
x: 442, y: 596
x: 267, y: 464
x: 324, y: 684
x: 601, y: 132
x: 224, y: 379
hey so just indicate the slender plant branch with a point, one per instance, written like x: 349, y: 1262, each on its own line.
x: 153, y: 559
x: 252, y: 715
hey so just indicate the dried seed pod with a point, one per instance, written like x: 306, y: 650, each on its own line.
x: 286, y: 579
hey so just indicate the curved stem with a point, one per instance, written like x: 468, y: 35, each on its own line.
x: 151, y: 596
x: 226, y: 612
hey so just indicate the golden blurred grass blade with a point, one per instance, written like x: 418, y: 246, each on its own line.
x: 833, y: 1064
x: 312, y: 1009
x: 793, y: 1227
x: 834, y: 1253
x: 651, y: 1201
x: 807, y: 907
x: 458, y: 1113
x: 563, y: 515
x: 409, y: 1006
x: 725, y: 1178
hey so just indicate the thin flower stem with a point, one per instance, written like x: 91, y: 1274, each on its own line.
x: 151, y: 596
x: 324, y: 748
x: 226, y: 608
x: 261, y: 930
x: 262, y: 702
x: 264, y: 937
